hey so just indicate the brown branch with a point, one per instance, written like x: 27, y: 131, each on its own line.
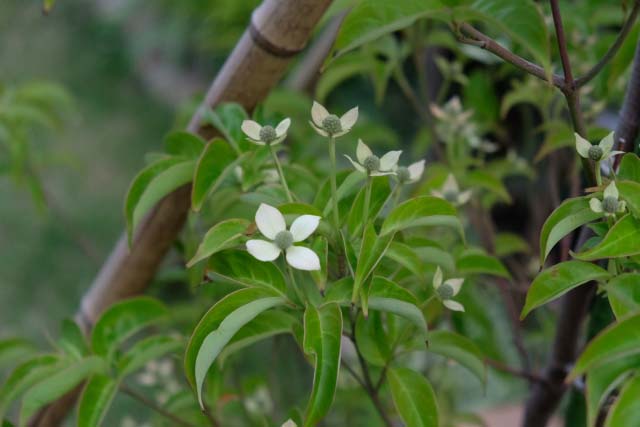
x: 479, y: 39
x: 615, y: 47
x: 531, y: 377
x: 278, y: 30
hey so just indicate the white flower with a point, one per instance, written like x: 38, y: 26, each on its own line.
x: 447, y: 290
x: 265, y: 135
x: 271, y: 224
x: 599, y: 152
x: 610, y: 205
x: 372, y: 164
x: 329, y: 124
x: 411, y: 174
x: 289, y: 423
x: 451, y: 192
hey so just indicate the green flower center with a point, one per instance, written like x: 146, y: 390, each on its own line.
x: 284, y: 239
x: 445, y: 291
x: 371, y: 163
x: 403, y: 174
x: 595, y: 153
x: 268, y: 134
x: 451, y: 196
x: 331, y: 124
x: 610, y: 204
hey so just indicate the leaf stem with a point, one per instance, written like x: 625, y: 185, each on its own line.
x: 153, y: 406
x: 280, y: 173
x: 334, y: 187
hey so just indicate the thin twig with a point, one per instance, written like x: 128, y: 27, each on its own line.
x: 152, y: 405
x: 479, y: 39
x: 531, y: 377
x: 615, y: 47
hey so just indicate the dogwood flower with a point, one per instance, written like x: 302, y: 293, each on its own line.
x: 599, y: 152
x: 410, y: 174
x: 289, y: 423
x: 451, y: 192
x: 447, y: 290
x: 265, y: 135
x: 271, y: 224
x: 373, y: 165
x: 610, y: 205
x: 330, y: 125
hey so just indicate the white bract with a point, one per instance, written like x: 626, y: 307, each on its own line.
x: 373, y: 165
x: 597, y: 153
x: 410, y: 174
x: 330, y: 125
x: 610, y: 205
x: 265, y: 135
x: 271, y: 224
x: 451, y: 192
x: 289, y: 423
x: 447, y: 290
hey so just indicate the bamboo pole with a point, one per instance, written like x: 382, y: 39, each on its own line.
x: 279, y: 29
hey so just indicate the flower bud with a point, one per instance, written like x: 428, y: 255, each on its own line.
x: 610, y: 204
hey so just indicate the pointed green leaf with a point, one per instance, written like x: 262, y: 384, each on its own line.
x: 413, y: 397
x: 380, y: 191
x: 216, y: 162
x: 461, y: 349
x: 124, y: 319
x: 240, y: 268
x: 385, y: 295
x: 322, y: 339
x: 146, y: 350
x: 95, y: 400
x: 623, y: 239
x: 13, y: 350
x: 558, y: 280
x: 571, y: 214
x: 72, y: 340
x: 421, y: 211
x: 626, y: 410
x: 478, y: 262
x: 218, y: 326
x: 372, y: 249
x: 630, y: 192
x: 616, y: 341
x: 58, y: 384
x: 181, y: 143
x: 624, y: 294
x: 221, y: 236
x: 629, y: 168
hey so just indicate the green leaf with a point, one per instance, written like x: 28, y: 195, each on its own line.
x: 626, y: 410
x: 146, y: 350
x: 478, y: 262
x: 141, y: 182
x: 509, y: 243
x: 616, y: 341
x: 14, y: 349
x: 558, y: 280
x: 371, y: 19
x: 624, y: 294
x: 461, y: 349
x: 413, y: 397
x: 240, y: 268
x: 385, y: 295
x: 181, y: 143
x: 122, y: 320
x: 405, y: 255
x: 372, y: 249
x: 601, y: 383
x: 630, y: 192
x: 95, y: 400
x: 72, y: 340
x: 571, y: 214
x: 26, y: 375
x: 218, y: 326
x: 228, y: 118
x: 380, y: 191
x: 482, y: 179
x: 56, y: 385
x: 373, y: 341
x: 216, y: 162
x: 322, y: 339
x: 421, y: 211
x: 151, y: 185
x: 521, y: 20
x: 629, y: 168
x: 221, y: 236
x: 623, y: 239
x: 265, y: 325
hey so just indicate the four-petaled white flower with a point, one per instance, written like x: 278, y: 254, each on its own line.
x: 372, y: 164
x: 447, y: 290
x: 597, y: 153
x: 271, y: 224
x: 451, y: 192
x: 410, y: 174
x: 330, y: 125
x: 265, y: 135
x: 610, y: 205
